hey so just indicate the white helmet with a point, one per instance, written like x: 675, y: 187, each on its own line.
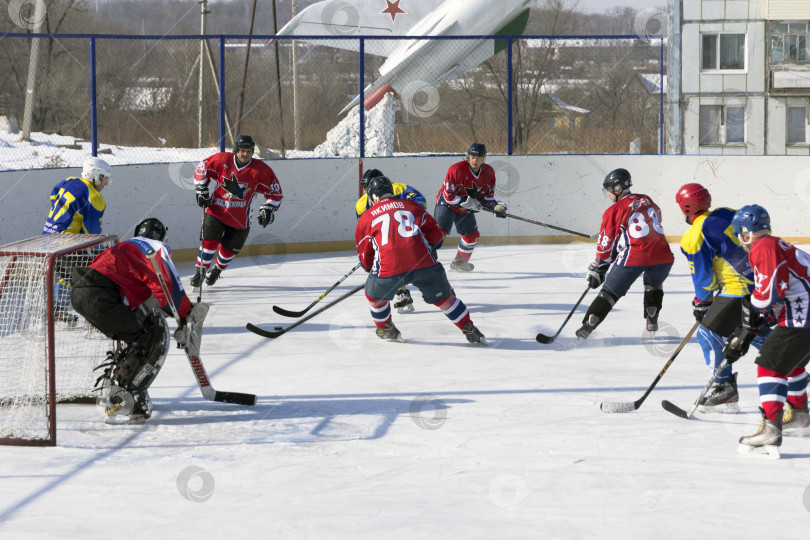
x: 96, y: 170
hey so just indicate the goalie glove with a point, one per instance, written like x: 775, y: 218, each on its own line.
x: 203, y: 197
x: 596, y: 274
x: 500, y: 210
x: 266, y: 216
x: 471, y: 204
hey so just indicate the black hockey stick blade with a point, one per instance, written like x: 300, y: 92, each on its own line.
x: 674, y: 409
x: 276, y: 333
x: 622, y: 407
x: 544, y: 339
x: 296, y: 314
x: 236, y: 398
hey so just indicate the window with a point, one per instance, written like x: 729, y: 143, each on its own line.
x: 723, y: 51
x: 796, y: 125
x: 790, y: 42
x: 721, y: 124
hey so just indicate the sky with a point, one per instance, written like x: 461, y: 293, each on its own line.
x: 354, y: 438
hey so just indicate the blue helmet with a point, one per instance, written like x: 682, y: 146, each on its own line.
x: 751, y: 218
x: 477, y: 149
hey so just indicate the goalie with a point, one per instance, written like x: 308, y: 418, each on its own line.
x: 112, y: 294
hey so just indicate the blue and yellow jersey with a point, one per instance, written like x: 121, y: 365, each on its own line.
x: 716, y: 259
x: 76, y: 207
x: 401, y: 191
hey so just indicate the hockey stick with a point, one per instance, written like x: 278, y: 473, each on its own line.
x: 542, y: 224
x: 544, y: 339
x: 193, y: 353
x: 268, y: 334
x: 202, y: 276
x: 620, y: 407
x: 288, y: 313
x: 677, y: 411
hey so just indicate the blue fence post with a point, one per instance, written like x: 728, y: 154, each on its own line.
x: 362, y: 98
x: 509, y: 97
x: 93, y: 116
x: 221, y: 94
x: 661, y: 104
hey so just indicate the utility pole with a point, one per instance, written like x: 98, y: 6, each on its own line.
x: 201, y: 94
x: 33, y: 66
x: 296, y: 124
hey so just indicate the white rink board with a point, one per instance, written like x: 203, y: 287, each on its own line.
x: 319, y: 194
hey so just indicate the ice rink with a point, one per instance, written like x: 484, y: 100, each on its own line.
x: 353, y: 437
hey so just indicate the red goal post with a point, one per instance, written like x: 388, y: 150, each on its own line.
x: 47, y: 350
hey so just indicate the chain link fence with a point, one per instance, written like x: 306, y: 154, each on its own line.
x: 181, y: 98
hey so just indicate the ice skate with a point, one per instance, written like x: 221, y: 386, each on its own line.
x: 473, y: 334
x: 390, y: 333
x: 457, y: 265
x: 588, y: 327
x: 197, y: 279
x: 403, y: 301
x: 795, y: 422
x: 723, y: 399
x: 767, y: 439
x: 213, y: 275
x: 652, y: 319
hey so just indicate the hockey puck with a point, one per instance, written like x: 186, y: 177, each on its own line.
x: 279, y: 328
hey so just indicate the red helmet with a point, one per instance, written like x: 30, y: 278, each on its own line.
x: 693, y: 199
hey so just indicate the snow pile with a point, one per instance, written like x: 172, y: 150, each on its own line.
x: 343, y: 140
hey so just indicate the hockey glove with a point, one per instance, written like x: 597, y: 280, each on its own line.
x: 203, y: 198
x: 596, y: 274
x: 471, y: 204
x: 266, y: 216
x: 699, y: 308
x: 738, y: 343
x: 500, y: 210
x: 752, y: 319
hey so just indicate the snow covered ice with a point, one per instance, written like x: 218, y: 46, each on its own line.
x: 354, y: 437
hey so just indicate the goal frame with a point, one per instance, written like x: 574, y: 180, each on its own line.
x: 15, y: 250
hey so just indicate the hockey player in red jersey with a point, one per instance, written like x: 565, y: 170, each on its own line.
x: 395, y: 241
x: 112, y: 295
x: 781, y: 294
x: 468, y: 185
x: 236, y: 180
x: 632, y: 239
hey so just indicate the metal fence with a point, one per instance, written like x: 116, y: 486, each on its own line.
x: 152, y: 96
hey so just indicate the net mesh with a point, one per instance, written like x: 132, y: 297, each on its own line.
x: 24, y: 331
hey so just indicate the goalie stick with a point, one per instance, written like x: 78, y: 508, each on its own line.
x: 288, y: 313
x: 677, y: 411
x: 544, y: 339
x: 274, y: 334
x: 621, y: 407
x: 193, y: 353
x: 542, y: 224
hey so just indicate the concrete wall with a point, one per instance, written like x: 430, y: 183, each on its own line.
x: 317, y: 213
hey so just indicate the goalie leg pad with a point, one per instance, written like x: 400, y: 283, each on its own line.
x: 144, y: 358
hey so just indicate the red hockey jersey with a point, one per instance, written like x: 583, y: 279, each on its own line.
x: 235, y: 188
x: 394, y: 236
x: 781, y: 275
x: 128, y: 266
x: 459, y: 178
x: 631, y: 233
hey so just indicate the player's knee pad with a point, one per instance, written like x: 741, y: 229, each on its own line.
x: 653, y: 298
x: 600, y: 306
x: 143, y: 359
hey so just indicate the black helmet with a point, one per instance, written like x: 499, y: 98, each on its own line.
x: 243, y: 141
x: 151, y: 228
x: 379, y: 186
x: 617, y: 181
x: 368, y: 175
x: 477, y: 149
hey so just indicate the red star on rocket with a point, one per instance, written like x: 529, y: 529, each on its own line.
x: 393, y: 9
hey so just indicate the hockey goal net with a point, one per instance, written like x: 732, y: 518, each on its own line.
x: 47, y: 350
